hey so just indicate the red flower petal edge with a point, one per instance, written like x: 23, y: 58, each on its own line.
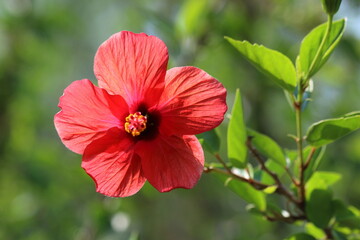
x: 140, y: 124
x: 112, y: 163
x: 178, y: 163
x: 87, y: 112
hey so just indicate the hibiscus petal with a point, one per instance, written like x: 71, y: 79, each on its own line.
x: 113, y: 165
x: 193, y: 102
x: 87, y: 112
x: 133, y: 66
x: 171, y: 161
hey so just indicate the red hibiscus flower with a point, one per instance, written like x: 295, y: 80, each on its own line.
x: 139, y: 124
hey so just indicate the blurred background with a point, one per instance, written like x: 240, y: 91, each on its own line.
x: 47, y: 44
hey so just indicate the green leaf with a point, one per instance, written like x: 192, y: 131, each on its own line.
x: 274, y: 167
x: 340, y: 236
x: 315, y: 161
x: 352, y: 114
x: 211, y: 141
x: 319, y: 207
x: 312, y: 42
x: 317, y: 157
x: 266, y: 146
x: 300, y: 236
x: 355, y: 210
x: 352, y: 223
x: 272, y: 63
x: 321, y: 180
x: 247, y: 192
x: 273, y: 210
x: 270, y: 190
x: 314, y: 231
x: 345, y: 217
x: 251, y: 208
x: 327, y: 131
x: 236, y: 135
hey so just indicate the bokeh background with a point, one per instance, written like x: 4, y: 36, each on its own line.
x: 47, y: 44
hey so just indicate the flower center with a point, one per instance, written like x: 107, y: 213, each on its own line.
x: 135, y: 123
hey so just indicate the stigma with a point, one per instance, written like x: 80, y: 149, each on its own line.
x: 135, y: 123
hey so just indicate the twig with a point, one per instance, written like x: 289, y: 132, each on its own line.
x: 328, y: 233
x: 308, y: 160
x: 280, y: 187
x: 293, y: 180
x: 218, y: 157
x: 299, y: 143
x: 256, y: 184
x: 289, y: 219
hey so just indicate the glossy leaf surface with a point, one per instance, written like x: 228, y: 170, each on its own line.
x: 237, y: 150
x: 311, y: 44
x: 267, y: 146
x: 272, y: 63
x: 319, y: 207
x: 210, y: 141
x: 301, y: 236
x: 329, y: 130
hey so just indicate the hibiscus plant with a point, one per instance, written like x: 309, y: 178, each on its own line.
x: 139, y: 124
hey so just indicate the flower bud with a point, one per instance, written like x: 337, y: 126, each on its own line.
x: 331, y: 6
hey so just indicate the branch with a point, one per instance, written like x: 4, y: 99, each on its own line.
x: 256, y: 184
x: 290, y: 219
x: 308, y: 160
x: 328, y: 234
x: 280, y: 187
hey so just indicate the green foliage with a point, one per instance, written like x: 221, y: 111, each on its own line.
x: 210, y: 141
x: 329, y: 130
x: 247, y: 192
x: 301, y: 236
x: 275, y: 168
x: 273, y: 210
x: 266, y: 146
x: 274, y: 64
x: 314, y: 231
x: 310, y: 47
x: 321, y: 181
x: 314, y: 164
x: 236, y: 136
x: 270, y: 189
x: 319, y: 207
x: 315, y: 161
x: 340, y: 236
x: 346, y: 217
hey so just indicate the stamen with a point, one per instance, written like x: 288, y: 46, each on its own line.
x: 135, y: 123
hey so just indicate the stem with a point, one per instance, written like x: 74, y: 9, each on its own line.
x: 290, y: 219
x: 257, y: 185
x: 308, y: 160
x: 280, y: 187
x: 218, y: 157
x: 293, y: 180
x: 299, y: 142
x: 328, y: 233
x: 297, y: 104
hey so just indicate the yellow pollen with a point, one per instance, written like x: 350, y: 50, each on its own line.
x: 135, y: 123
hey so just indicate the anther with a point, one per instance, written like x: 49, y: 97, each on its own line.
x: 135, y: 123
